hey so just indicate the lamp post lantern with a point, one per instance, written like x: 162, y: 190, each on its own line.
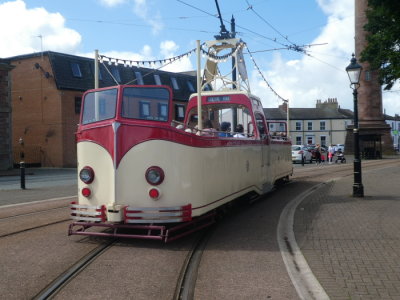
x: 354, y: 72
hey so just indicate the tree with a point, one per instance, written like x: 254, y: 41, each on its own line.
x: 383, y: 48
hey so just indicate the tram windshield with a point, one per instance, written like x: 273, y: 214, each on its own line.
x: 99, y: 106
x: 145, y: 103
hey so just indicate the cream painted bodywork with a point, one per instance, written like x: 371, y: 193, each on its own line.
x: 203, y: 177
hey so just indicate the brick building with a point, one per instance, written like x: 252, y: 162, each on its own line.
x: 5, y: 116
x: 46, y: 97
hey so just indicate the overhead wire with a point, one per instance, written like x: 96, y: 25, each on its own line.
x: 250, y: 7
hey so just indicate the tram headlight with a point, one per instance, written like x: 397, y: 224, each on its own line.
x: 86, y: 175
x: 154, y: 175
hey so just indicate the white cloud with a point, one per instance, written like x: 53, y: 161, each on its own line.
x: 321, y: 75
x: 169, y: 49
x: 153, y: 18
x: 26, y: 25
x: 112, y: 3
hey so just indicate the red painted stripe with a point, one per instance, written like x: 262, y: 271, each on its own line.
x: 132, y: 134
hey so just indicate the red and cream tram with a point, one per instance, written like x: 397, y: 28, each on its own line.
x: 142, y: 171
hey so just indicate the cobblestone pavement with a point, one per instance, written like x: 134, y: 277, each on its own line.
x: 352, y: 244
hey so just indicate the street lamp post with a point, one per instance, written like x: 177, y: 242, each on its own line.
x: 354, y: 72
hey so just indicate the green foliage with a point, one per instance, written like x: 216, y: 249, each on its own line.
x: 383, y: 49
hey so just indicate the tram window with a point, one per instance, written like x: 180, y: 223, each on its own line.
x: 99, y: 106
x: 145, y: 103
x: 261, y: 125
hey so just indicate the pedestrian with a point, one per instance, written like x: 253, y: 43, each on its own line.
x: 331, y: 153
x: 318, y: 154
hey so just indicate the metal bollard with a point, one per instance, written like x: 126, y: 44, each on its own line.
x: 22, y: 174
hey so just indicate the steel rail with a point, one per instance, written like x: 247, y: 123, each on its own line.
x: 187, y: 278
x: 36, y: 227
x: 33, y: 213
x: 53, y: 288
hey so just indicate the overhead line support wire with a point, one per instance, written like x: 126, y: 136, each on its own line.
x: 263, y: 77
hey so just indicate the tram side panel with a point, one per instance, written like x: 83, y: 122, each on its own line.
x: 203, y: 177
x: 281, y: 163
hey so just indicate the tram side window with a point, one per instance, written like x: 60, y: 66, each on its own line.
x: 228, y: 120
x: 145, y: 103
x: 277, y: 129
x: 99, y: 106
x: 261, y: 125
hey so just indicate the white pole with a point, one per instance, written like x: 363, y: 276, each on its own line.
x: 96, y: 69
x: 199, y: 111
x: 96, y: 84
x: 288, y: 121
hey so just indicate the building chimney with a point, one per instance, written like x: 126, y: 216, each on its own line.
x: 283, y: 106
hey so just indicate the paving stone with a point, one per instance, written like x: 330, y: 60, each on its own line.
x: 353, y: 244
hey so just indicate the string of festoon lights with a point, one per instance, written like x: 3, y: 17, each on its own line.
x: 141, y: 63
x: 263, y: 77
x: 210, y: 54
x: 138, y: 63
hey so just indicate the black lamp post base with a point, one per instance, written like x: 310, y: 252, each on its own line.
x: 358, y: 190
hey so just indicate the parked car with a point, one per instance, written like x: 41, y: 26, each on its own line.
x: 340, y: 147
x: 301, y: 154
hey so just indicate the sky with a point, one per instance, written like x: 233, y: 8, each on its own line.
x: 159, y: 29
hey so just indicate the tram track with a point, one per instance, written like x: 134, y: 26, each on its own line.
x: 33, y: 213
x: 33, y: 228
x: 54, y: 287
x: 19, y: 223
x: 187, y: 279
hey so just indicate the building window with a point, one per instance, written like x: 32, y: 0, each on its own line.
x: 309, y: 126
x: 78, y: 102
x: 115, y: 73
x: 162, y: 111
x: 298, y: 140
x: 207, y: 87
x: 144, y: 109
x: 190, y: 86
x: 323, y: 140
x: 310, y: 140
x: 174, y: 83
x: 76, y: 70
x: 139, y: 78
x: 298, y: 126
x: 157, y: 79
x: 368, y: 75
x: 179, y: 112
x: 322, y: 125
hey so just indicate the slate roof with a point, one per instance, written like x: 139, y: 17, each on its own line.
x: 65, y: 80
x: 308, y: 114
